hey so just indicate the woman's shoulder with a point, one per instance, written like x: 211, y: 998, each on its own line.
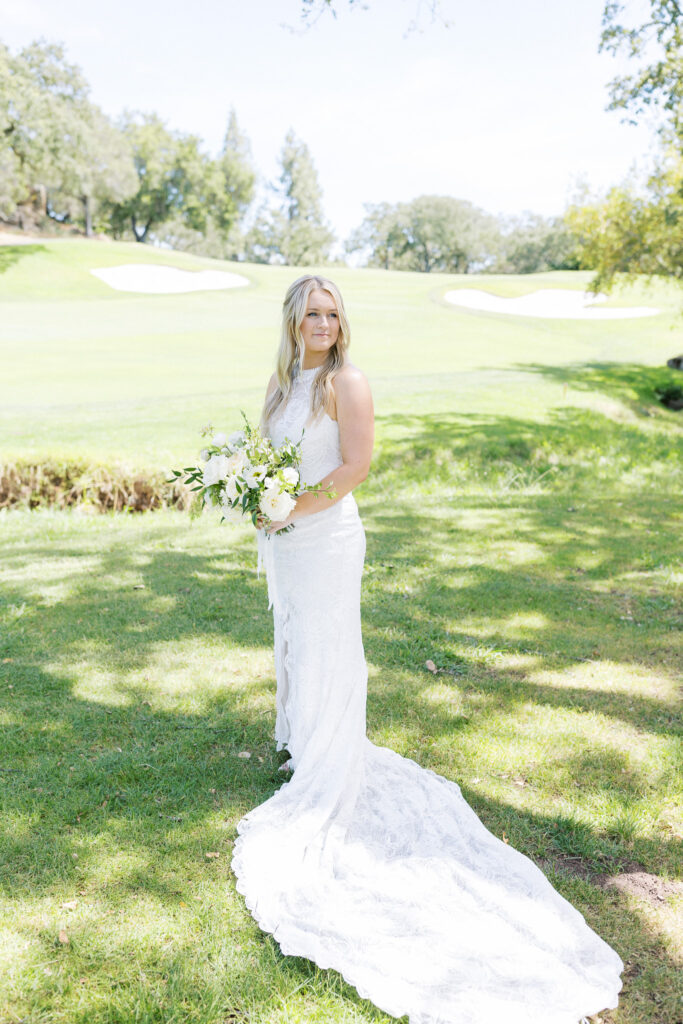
x: 352, y: 390
x: 349, y: 377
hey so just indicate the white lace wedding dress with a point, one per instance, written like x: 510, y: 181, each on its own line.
x: 364, y: 861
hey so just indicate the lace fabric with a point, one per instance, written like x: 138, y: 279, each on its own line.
x: 364, y: 861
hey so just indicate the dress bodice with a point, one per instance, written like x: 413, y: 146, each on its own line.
x: 320, y: 448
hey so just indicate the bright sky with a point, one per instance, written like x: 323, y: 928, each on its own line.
x: 505, y: 108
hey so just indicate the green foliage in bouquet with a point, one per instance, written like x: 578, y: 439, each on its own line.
x: 246, y: 476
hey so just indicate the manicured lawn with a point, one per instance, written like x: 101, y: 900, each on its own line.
x: 524, y: 530
x: 106, y: 374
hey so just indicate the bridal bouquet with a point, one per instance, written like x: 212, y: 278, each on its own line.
x: 246, y: 477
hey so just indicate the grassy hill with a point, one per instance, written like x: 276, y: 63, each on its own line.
x: 524, y: 527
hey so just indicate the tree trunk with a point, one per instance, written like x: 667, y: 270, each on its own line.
x: 87, y: 208
x: 40, y: 199
x: 140, y: 236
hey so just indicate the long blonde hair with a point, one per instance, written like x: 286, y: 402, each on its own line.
x: 290, y: 354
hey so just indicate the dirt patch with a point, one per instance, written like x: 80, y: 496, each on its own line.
x: 633, y: 880
x: 7, y: 238
x: 647, y: 887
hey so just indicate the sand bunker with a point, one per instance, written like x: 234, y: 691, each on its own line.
x: 152, y: 278
x: 552, y: 303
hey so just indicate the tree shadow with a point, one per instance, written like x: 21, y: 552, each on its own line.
x: 153, y: 797
x: 575, y: 447
x: 11, y: 254
x: 633, y: 384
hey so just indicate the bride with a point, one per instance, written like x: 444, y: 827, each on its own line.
x: 364, y: 861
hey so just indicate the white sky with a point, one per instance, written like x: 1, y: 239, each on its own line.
x: 505, y: 108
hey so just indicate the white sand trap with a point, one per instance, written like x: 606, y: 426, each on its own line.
x: 552, y: 303
x: 152, y: 278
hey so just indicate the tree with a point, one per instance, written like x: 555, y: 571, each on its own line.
x: 636, y: 230
x: 531, y: 244
x: 430, y: 233
x: 54, y: 141
x: 379, y: 237
x: 446, y: 234
x: 171, y: 173
x: 632, y: 233
x: 180, y: 186
x: 99, y: 170
x: 657, y: 85
x: 43, y: 110
x: 294, y: 231
x: 237, y: 171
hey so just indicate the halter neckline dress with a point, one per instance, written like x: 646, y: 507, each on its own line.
x: 366, y: 862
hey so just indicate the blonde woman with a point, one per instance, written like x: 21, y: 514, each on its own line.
x: 364, y: 861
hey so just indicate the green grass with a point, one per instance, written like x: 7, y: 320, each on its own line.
x: 108, y: 374
x: 524, y: 533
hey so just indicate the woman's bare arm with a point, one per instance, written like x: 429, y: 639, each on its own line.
x: 355, y: 416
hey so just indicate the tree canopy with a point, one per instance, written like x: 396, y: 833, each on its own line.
x: 630, y: 232
x: 178, y: 182
x: 429, y: 233
x: 292, y: 229
x: 531, y: 244
x: 656, y: 45
x: 638, y: 229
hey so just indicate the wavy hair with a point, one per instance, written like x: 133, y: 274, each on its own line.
x: 290, y: 354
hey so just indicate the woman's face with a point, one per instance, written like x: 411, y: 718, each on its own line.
x: 320, y: 326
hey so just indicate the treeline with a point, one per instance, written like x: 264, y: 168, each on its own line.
x: 63, y: 161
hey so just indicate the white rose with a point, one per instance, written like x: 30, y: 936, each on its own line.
x: 204, y: 454
x: 276, y: 505
x: 235, y: 462
x: 216, y: 469
x: 291, y: 475
x: 254, y: 474
x: 219, y: 440
x: 232, y: 514
x: 231, y: 488
x: 237, y: 438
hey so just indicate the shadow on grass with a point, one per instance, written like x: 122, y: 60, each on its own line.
x: 11, y: 254
x: 70, y: 787
x: 574, y: 448
x: 634, y: 384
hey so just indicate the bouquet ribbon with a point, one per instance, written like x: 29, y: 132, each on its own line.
x: 264, y: 545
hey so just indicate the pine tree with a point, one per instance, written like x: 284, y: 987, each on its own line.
x: 294, y: 232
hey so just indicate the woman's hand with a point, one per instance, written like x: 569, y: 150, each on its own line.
x: 274, y: 527
x: 263, y: 524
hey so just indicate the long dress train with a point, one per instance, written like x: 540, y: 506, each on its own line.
x: 364, y: 861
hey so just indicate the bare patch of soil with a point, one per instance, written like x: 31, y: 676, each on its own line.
x: 633, y: 880
x: 7, y: 238
x: 647, y: 887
